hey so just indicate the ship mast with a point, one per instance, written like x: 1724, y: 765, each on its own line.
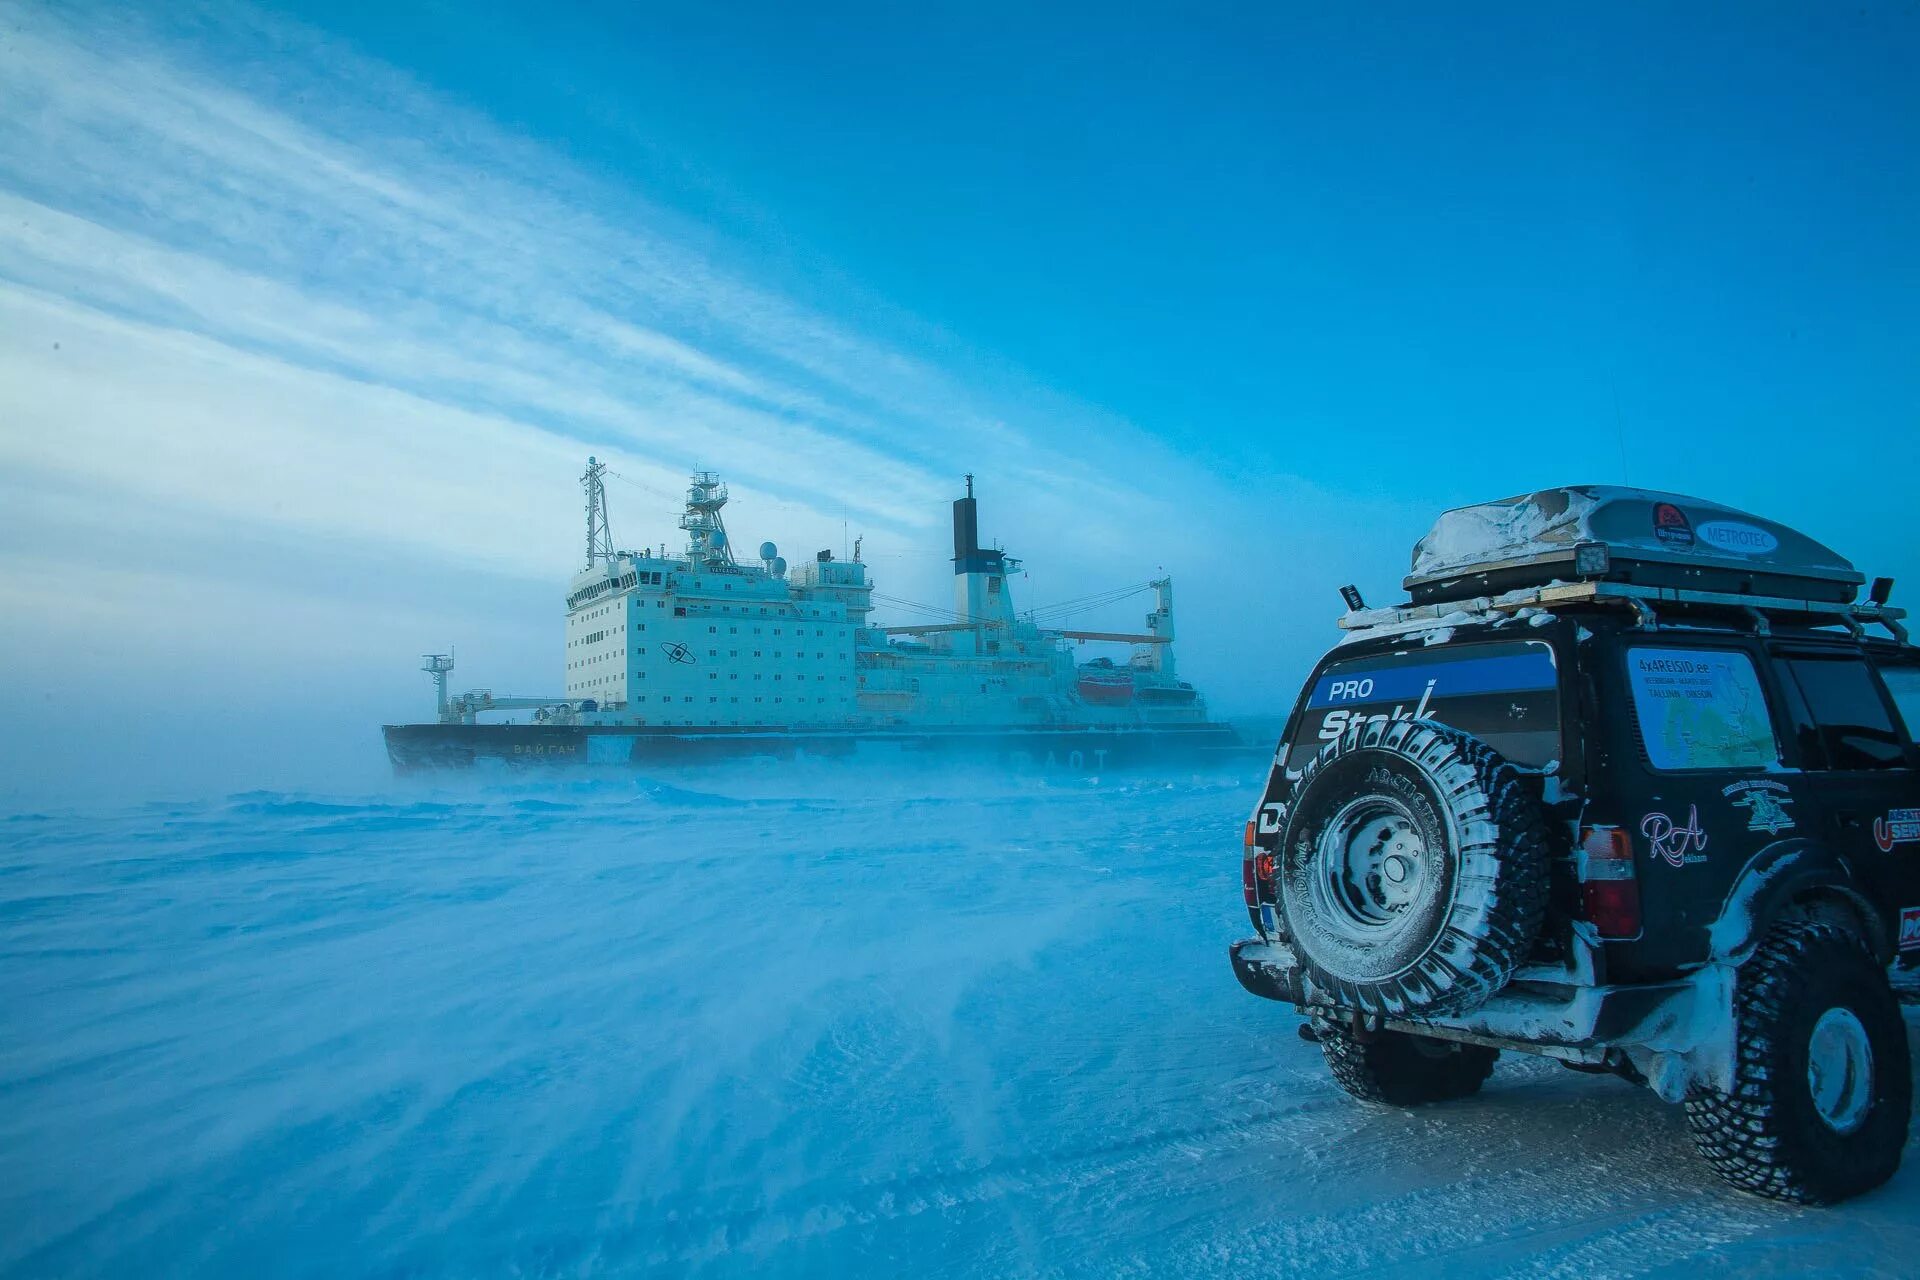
x: 437, y: 665
x: 706, y: 532
x: 599, y: 536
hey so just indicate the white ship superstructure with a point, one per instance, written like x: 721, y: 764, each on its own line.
x: 704, y: 639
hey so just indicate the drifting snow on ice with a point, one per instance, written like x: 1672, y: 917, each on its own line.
x: 762, y: 1022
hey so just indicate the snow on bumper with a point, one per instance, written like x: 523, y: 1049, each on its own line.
x: 1678, y: 1034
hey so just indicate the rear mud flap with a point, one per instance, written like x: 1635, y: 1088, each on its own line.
x: 1268, y: 969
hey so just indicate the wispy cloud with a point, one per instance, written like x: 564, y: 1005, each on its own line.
x: 350, y: 227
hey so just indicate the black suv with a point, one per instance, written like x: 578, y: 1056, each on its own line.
x: 1631, y: 783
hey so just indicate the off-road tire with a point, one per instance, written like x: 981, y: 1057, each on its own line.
x: 1481, y: 849
x: 1403, y: 1070
x: 1767, y: 1136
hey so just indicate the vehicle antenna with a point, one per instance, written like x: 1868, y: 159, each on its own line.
x: 1620, y: 433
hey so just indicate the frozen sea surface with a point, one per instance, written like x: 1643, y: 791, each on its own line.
x: 822, y: 1022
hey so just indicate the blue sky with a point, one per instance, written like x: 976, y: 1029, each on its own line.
x: 308, y: 315
x: 1235, y: 230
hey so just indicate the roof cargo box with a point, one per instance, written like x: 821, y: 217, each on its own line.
x: 1622, y: 535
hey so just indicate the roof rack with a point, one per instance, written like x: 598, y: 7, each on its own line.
x: 1761, y: 611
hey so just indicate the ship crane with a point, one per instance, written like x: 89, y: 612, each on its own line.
x: 1120, y: 637
x: 932, y: 628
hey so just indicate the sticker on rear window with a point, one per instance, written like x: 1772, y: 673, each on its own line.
x: 1505, y: 692
x: 1700, y: 709
x: 1505, y: 673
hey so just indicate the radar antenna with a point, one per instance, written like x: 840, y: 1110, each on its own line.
x: 599, y: 536
x: 706, y: 532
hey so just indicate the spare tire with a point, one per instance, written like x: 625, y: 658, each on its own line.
x: 1413, y: 870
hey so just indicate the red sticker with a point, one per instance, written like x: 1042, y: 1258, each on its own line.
x: 1671, y: 526
x: 1900, y: 826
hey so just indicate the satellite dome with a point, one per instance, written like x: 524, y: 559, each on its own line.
x: 779, y: 564
x: 768, y: 551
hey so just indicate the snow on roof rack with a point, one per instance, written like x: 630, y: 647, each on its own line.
x: 1604, y: 532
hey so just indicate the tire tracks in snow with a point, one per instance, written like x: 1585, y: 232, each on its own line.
x: 1051, y: 1179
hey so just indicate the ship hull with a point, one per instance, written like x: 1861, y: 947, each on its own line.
x: 1080, y: 748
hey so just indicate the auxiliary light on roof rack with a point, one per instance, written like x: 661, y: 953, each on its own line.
x: 1591, y: 560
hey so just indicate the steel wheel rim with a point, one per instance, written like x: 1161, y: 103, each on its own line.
x: 1840, y: 1070
x: 1370, y: 869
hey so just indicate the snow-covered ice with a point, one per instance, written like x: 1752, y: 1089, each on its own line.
x: 815, y: 1021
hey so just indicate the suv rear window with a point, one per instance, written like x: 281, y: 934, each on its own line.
x: 1850, y: 720
x: 1904, y: 684
x: 1505, y: 693
x: 1701, y: 709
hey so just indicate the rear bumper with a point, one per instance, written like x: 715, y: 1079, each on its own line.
x: 1682, y: 1025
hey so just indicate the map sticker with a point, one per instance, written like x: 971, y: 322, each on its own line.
x: 1701, y: 709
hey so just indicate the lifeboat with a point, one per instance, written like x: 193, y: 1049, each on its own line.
x: 1105, y: 688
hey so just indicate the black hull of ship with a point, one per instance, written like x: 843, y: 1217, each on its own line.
x: 416, y: 747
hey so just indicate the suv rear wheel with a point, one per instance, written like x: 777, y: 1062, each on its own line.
x: 1412, y: 873
x: 1403, y: 1070
x: 1822, y: 1086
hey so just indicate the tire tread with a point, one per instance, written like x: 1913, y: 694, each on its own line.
x: 1387, y: 1070
x: 1510, y: 858
x: 1745, y: 1134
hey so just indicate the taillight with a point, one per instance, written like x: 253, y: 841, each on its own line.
x: 1246, y: 867
x: 1609, y: 893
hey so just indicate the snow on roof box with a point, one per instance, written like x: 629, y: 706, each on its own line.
x: 1652, y: 539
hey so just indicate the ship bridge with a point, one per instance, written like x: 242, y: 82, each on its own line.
x: 707, y: 638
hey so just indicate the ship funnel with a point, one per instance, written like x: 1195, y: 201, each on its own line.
x: 979, y: 587
x: 966, y: 529
x: 968, y: 555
